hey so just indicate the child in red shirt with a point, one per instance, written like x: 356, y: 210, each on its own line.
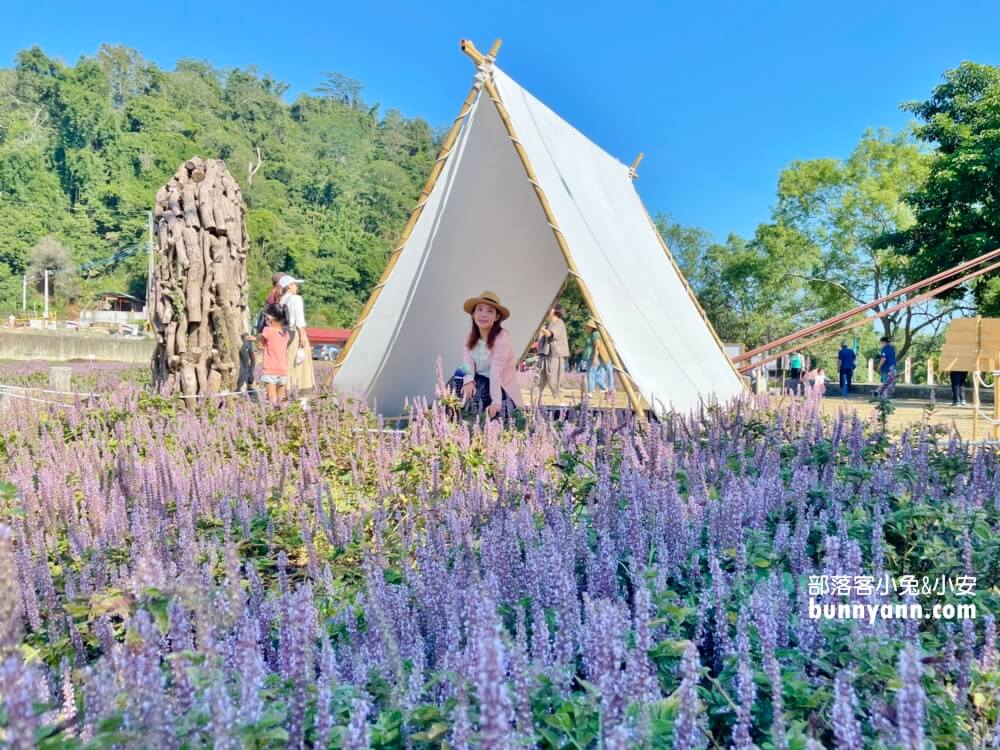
x: 274, y: 342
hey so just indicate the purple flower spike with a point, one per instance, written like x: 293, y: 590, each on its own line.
x: 357, y: 735
x: 495, y: 711
x: 689, y: 726
x: 846, y: 728
x: 910, y: 700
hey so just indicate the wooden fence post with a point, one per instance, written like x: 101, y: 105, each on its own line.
x: 930, y: 371
x: 60, y: 379
x: 996, y: 396
x: 907, y: 371
x: 871, y: 371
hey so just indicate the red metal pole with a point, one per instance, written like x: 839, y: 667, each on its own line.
x: 857, y: 310
x: 868, y: 319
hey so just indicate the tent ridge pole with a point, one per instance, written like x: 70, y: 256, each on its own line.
x: 632, y: 171
x: 438, y: 167
x: 561, y: 241
x: 478, y: 57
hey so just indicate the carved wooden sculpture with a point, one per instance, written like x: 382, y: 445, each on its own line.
x: 200, y: 282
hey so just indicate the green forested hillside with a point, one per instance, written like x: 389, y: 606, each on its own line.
x: 83, y: 149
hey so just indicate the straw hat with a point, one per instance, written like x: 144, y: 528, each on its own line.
x: 486, y: 298
x: 591, y: 323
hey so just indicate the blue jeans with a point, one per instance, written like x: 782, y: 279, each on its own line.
x: 845, y: 382
x: 600, y: 374
x: 888, y: 383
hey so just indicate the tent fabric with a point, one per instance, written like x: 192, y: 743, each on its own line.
x: 661, y: 337
x: 482, y: 227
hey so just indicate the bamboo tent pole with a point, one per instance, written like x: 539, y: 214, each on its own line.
x: 633, y: 170
x: 478, y: 57
x: 633, y: 397
x: 863, y: 308
x: 432, y: 179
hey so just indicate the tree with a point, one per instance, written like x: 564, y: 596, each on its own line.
x: 128, y: 74
x: 751, y: 290
x: 957, y: 209
x: 844, y: 208
x: 342, y: 88
x: 51, y: 255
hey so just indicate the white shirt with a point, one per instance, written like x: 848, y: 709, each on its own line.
x: 296, y: 310
x: 481, y: 358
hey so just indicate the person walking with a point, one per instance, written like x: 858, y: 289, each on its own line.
x: 489, y: 371
x: 273, y: 298
x: 796, y: 373
x: 796, y: 366
x: 301, y: 377
x: 553, y: 349
x: 887, y: 368
x: 846, y: 361
x: 957, y: 378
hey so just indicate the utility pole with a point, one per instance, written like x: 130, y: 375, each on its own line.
x: 47, y: 272
x: 149, y: 274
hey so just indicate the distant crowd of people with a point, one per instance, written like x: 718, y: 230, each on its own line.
x: 487, y: 378
x: 801, y: 381
x: 813, y: 380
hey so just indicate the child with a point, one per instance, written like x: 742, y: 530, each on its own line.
x: 274, y: 341
x: 819, y: 381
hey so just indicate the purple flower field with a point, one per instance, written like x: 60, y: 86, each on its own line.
x: 247, y: 577
x: 87, y: 376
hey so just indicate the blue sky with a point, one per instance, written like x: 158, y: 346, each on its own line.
x: 720, y: 97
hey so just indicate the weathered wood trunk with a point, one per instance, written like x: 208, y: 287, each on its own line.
x: 199, y: 290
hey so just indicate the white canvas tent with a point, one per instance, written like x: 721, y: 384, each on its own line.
x: 518, y: 202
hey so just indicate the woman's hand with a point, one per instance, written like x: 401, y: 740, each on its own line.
x: 492, y: 410
x: 468, y: 391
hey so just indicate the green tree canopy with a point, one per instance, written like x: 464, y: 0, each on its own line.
x: 957, y: 209
x: 843, y: 208
x: 83, y: 149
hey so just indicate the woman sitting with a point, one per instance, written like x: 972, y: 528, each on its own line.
x: 490, y: 371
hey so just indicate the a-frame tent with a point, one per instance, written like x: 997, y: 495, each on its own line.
x: 518, y: 202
